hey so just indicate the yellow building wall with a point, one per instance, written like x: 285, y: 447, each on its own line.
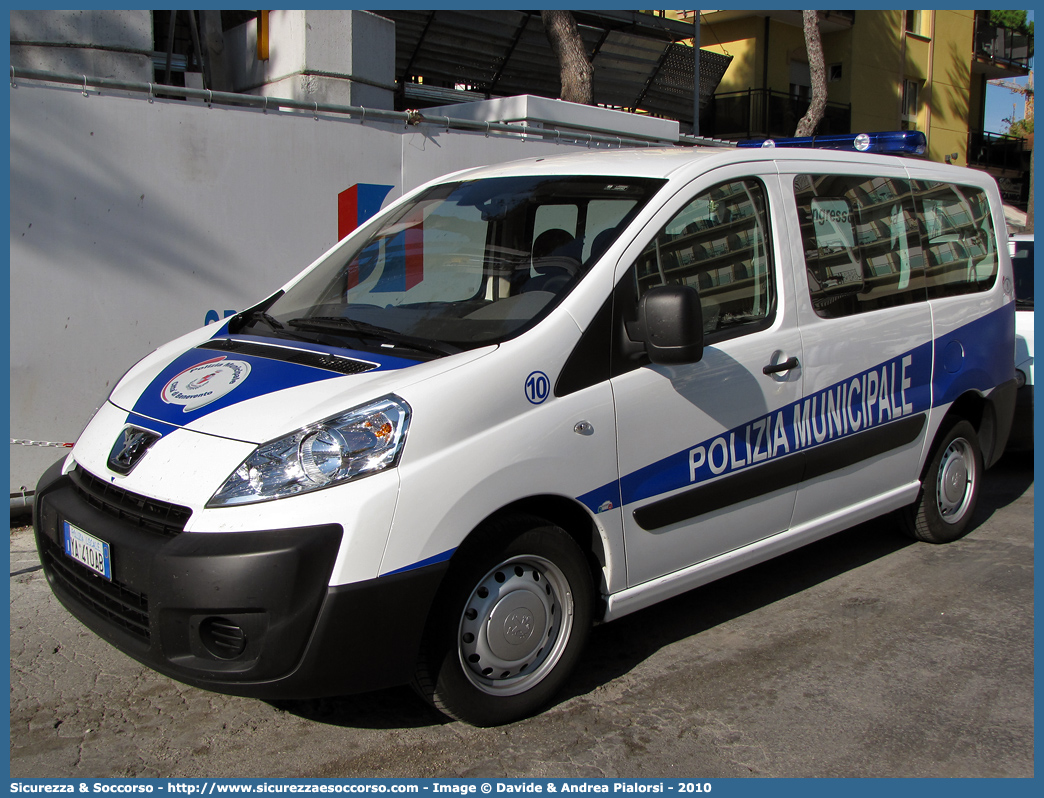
x: 949, y: 102
x: 877, y: 67
x: 837, y: 49
x: 742, y: 40
x: 786, y: 44
x: 876, y: 55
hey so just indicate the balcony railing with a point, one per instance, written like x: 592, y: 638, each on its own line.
x: 997, y: 151
x: 1002, y: 45
x: 773, y: 114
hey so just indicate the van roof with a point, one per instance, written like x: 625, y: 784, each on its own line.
x: 667, y: 162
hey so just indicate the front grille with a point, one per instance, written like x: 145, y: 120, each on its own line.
x: 302, y: 357
x: 119, y: 604
x: 148, y: 514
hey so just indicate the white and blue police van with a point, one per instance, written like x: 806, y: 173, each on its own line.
x: 530, y: 397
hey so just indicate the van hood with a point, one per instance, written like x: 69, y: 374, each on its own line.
x: 255, y: 389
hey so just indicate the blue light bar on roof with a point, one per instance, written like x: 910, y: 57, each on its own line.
x: 899, y: 142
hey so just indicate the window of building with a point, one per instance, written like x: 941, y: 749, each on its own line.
x: 861, y: 242
x: 834, y: 73
x: 913, y: 21
x: 719, y: 244
x: 911, y: 104
x: 800, y: 81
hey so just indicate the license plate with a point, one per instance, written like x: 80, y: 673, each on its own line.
x: 87, y: 550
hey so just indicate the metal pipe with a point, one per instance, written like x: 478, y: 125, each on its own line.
x: 404, y: 117
x: 22, y: 503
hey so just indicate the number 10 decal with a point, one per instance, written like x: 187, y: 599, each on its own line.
x: 538, y: 386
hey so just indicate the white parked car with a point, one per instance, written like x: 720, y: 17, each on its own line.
x: 1021, y: 249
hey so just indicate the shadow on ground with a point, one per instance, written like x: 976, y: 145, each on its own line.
x: 616, y: 648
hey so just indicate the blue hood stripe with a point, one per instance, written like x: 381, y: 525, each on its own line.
x: 203, y: 381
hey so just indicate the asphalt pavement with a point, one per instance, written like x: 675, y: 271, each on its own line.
x: 859, y: 656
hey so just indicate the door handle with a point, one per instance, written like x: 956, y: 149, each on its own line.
x: 786, y: 365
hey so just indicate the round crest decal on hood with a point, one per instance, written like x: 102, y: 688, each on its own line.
x: 204, y: 383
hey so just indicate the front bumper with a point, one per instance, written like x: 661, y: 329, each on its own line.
x: 246, y: 613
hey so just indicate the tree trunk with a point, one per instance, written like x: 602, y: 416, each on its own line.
x: 810, y: 121
x: 214, y: 45
x: 1029, y: 115
x: 574, y: 67
x: 1029, y: 208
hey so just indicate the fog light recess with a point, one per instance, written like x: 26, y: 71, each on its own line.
x: 223, y: 638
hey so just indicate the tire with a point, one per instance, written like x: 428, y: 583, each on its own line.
x: 950, y: 488
x: 509, y: 624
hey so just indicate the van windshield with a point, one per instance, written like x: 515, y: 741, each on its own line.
x: 462, y: 265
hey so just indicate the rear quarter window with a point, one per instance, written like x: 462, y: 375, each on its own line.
x: 861, y: 242
x: 877, y: 242
x: 959, y: 241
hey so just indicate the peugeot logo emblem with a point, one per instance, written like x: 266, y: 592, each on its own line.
x: 130, y: 447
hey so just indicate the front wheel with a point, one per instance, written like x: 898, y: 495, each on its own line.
x: 509, y: 625
x: 950, y: 490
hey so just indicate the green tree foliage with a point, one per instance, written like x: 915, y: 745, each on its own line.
x: 1020, y: 127
x: 1016, y: 20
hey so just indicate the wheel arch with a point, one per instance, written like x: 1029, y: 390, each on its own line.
x: 982, y: 413
x: 577, y: 523
x: 566, y: 513
x: 570, y: 541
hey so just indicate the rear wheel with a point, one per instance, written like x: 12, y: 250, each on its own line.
x: 950, y: 490
x: 509, y: 624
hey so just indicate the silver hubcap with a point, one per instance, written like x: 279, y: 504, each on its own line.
x: 956, y: 481
x: 515, y: 625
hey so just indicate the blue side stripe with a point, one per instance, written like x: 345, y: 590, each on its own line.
x: 430, y: 561
x: 964, y: 360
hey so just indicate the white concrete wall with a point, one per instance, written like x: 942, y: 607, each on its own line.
x: 131, y: 219
x: 99, y: 43
x: 329, y: 56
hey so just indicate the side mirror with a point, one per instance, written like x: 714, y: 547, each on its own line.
x: 671, y: 321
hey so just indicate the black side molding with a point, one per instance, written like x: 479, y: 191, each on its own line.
x: 781, y: 473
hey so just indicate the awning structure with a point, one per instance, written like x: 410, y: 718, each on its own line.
x: 639, y: 61
x: 1015, y: 218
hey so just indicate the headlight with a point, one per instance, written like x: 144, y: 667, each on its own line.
x: 355, y: 444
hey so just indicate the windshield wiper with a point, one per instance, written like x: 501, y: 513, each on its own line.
x: 249, y: 317
x: 255, y: 315
x: 343, y: 324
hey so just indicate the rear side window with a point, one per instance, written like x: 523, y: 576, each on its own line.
x: 959, y: 242
x: 719, y: 244
x: 861, y: 241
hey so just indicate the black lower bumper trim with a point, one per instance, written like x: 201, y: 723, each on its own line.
x: 247, y: 613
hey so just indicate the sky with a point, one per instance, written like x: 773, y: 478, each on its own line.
x: 999, y: 101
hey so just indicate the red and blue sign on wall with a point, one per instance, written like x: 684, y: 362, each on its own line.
x: 403, y: 255
x: 357, y: 204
